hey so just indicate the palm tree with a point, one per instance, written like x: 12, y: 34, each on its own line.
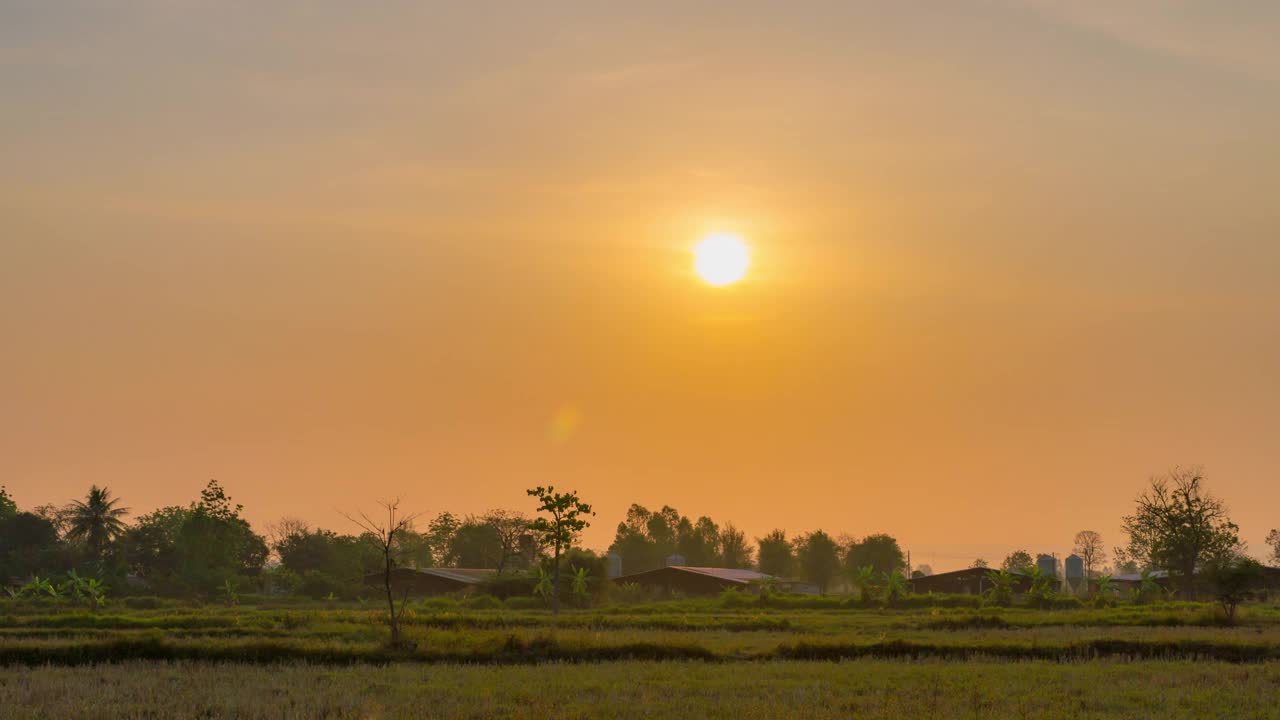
x: 95, y: 521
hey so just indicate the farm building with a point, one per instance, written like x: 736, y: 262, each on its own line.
x: 431, y: 581
x: 708, y: 581
x: 970, y: 581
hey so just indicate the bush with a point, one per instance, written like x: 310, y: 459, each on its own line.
x: 521, y: 602
x: 733, y: 598
x: 319, y: 586
x: 482, y: 602
x: 508, y: 586
x: 143, y: 602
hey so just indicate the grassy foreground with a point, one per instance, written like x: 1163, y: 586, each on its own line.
x: 861, y: 689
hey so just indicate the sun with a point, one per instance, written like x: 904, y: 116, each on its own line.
x: 721, y: 259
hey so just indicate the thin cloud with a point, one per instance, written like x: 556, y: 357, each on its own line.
x: 1234, y: 36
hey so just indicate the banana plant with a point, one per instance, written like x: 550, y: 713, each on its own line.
x: 229, y: 594
x: 1001, y: 590
x: 895, y: 586
x: 581, y: 584
x: 544, y: 587
x: 42, y: 587
x: 865, y: 579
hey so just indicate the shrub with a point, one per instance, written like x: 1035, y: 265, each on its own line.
x: 522, y: 602
x: 508, y: 586
x: 482, y: 602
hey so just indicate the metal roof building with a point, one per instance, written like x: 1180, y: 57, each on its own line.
x: 695, y: 580
x: 432, y: 581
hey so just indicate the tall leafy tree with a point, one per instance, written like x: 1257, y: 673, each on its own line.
x: 95, y: 521
x: 1177, y: 526
x: 880, y: 552
x: 214, y: 544
x: 476, y: 544
x: 734, y: 550
x: 699, y: 542
x: 1018, y: 561
x: 562, y: 516
x: 818, y: 556
x: 774, y: 554
x: 28, y: 546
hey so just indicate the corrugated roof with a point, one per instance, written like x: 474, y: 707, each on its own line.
x: 471, y: 576
x: 727, y: 574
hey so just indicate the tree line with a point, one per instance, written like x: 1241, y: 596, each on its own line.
x: 207, y: 547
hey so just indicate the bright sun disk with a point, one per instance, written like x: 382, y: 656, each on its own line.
x: 721, y: 259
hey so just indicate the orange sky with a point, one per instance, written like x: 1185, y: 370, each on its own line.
x: 1010, y: 257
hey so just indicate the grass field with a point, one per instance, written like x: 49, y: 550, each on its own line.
x: 722, y: 656
x: 862, y: 689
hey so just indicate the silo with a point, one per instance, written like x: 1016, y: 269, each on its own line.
x: 675, y: 559
x: 1048, y: 565
x: 615, y: 565
x: 1074, y: 568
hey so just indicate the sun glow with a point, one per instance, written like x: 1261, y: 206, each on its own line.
x: 721, y: 259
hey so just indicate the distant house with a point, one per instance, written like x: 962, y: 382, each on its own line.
x: 431, y: 581
x: 970, y: 581
x: 709, y: 581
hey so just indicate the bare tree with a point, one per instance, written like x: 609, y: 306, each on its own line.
x: 385, y: 534
x: 288, y: 526
x: 1091, y: 549
x: 1273, y: 539
x: 512, y: 529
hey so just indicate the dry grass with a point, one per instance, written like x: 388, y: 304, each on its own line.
x: 863, y: 689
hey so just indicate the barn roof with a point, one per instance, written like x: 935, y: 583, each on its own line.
x: 466, y: 576
x: 968, y: 571
x: 471, y: 576
x: 733, y: 575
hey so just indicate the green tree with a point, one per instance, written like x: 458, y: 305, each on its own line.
x: 980, y: 563
x: 1178, y: 527
x: 774, y: 554
x: 440, y: 535
x: 149, y: 544
x: 563, y: 517
x: 734, y: 550
x: 879, y: 551
x: 1018, y: 561
x: 215, y: 544
x: 28, y: 545
x: 8, y: 508
x: 95, y: 521
x: 476, y: 544
x: 699, y: 542
x: 818, y: 556
x: 1233, y: 580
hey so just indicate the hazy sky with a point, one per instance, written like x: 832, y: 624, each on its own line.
x: 1010, y: 258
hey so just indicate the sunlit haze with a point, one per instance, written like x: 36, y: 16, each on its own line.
x: 970, y: 273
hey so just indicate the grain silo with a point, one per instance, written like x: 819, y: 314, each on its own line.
x: 1074, y: 567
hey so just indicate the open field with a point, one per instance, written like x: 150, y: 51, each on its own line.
x: 862, y: 689
x: 710, y: 630
x: 723, y: 658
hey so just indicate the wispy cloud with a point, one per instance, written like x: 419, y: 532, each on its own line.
x: 1234, y: 35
